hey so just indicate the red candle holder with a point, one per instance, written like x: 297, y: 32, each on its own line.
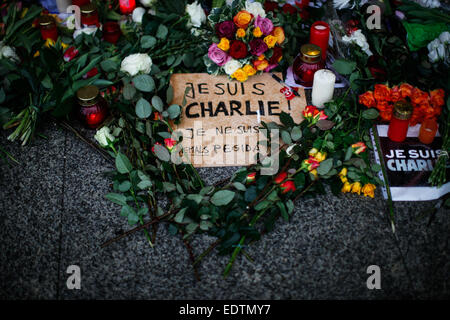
x: 111, y: 32
x: 306, y: 64
x: 127, y: 6
x: 93, y: 108
x: 89, y: 15
x: 48, y: 28
x: 398, y: 127
x: 319, y: 35
x: 80, y: 2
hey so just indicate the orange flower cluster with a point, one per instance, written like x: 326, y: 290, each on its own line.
x: 427, y: 105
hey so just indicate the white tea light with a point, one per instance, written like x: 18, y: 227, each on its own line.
x: 323, y: 87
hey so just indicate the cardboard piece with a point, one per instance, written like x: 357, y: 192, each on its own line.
x: 221, y: 118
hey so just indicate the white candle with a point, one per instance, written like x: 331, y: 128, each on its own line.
x: 323, y: 87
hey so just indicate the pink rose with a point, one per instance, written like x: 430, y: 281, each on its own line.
x: 264, y: 24
x: 218, y: 56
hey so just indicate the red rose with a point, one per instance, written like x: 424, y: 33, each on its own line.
x: 280, y: 177
x: 270, y: 6
x: 304, y: 14
x: 276, y: 56
x: 238, y: 49
x: 287, y: 186
x: 287, y: 8
x: 226, y: 29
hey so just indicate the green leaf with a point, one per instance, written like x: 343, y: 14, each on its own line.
x: 205, y: 225
x: 144, y: 184
x: 157, y: 103
x: 144, y: 83
x: 239, y: 186
x: 143, y: 108
x: 262, y: 205
x: 222, y: 197
x: 286, y: 119
x: 117, y: 198
x: 123, y: 165
x: 286, y: 137
x: 290, y: 206
x: 129, y: 91
x: 195, y: 197
x: 162, y: 153
x: 148, y: 42
x: 180, y: 216
x: 283, y: 211
x: 348, y: 153
x: 299, y: 180
x: 325, y: 166
x: 296, y: 133
x: 169, y: 94
x: 174, y: 111
x: 124, y: 186
x: 162, y: 31
x: 370, y: 114
x: 109, y: 65
x: 344, y: 67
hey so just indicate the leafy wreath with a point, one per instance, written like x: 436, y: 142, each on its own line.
x: 330, y: 147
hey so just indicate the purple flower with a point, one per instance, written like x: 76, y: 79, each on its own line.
x: 218, y: 56
x: 226, y: 29
x: 264, y: 24
x: 258, y: 47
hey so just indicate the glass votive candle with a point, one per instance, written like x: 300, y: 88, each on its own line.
x: 80, y: 2
x: 307, y: 63
x: 428, y: 130
x: 93, y: 109
x: 89, y: 15
x: 111, y: 32
x: 398, y: 127
x: 127, y: 6
x: 48, y: 27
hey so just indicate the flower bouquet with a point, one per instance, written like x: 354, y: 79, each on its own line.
x: 246, y: 41
x: 426, y: 105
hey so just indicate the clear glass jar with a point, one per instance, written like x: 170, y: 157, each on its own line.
x: 398, y: 127
x: 89, y: 15
x: 307, y: 63
x: 93, y: 109
x: 48, y: 28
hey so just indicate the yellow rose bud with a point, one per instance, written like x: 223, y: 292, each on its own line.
x: 37, y: 54
x: 64, y: 46
x: 257, y: 32
x: 49, y: 42
x: 240, y: 33
x: 344, y: 179
x: 314, y: 173
x: 249, y: 70
x: 343, y: 172
x: 320, y: 156
x: 369, y: 190
x: 356, y: 187
x: 270, y: 41
x: 224, y: 44
x: 347, y: 187
x: 240, y: 75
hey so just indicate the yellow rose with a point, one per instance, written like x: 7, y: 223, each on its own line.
x: 49, y: 42
x: 271, y: 41
x: 240, y: 75
x: 278, y: 32
x: 314, y: 173
x: 344, y: 179
x: 224, y: 44
x: 260, y: 65
x: 257, y: 32
x: 261, y: 57
x: 343, y: 172
x: 369, y: 190
x: 313, y: 152
x: 242, y: 19
x: 356, y: 187
x: 249, y: 70
x: 240, y: 33
x: 320, y: 156
x: 347, y: 187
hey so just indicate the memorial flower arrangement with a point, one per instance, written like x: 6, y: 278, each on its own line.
x: 246, y: 41
x: 326, y: 151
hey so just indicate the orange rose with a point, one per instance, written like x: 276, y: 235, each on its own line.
x: 260, y: 65
x: 382, y: 92
x: 437, y: 97
x: 278, y: 32
x: 395, y: 94
x: 419, y: 97
x: 386, y: 115
x: 383, y: 106
x: 367, y: 99
x: 242, y: 19
x: 405, y: 90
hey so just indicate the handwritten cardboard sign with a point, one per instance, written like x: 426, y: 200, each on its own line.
x: 221, y: 119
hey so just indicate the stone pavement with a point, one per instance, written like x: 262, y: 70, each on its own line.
x: 53, y: 214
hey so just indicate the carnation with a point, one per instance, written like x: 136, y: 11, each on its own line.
x: 8, y: 52
x: 137, y: 15
x: 231, y: 66
x: 136, y: 63
x: 196, y: 14
x: 103, y: 135
x: 255, y: 8
x: 360, y: 39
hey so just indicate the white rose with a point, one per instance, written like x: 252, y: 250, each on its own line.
x: 137, y: 15
x: 9, y: 53
x: 148, y: 3
x: 433, y: 44
x: 196, y: 14
x: 255, y: 8
x: 102, y: 135
x: 231, y: 66
x: 441, y: 51
x: 135, y: 63
x: 433, y: 56
x: 87, y: 30
x: 445, y: 37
